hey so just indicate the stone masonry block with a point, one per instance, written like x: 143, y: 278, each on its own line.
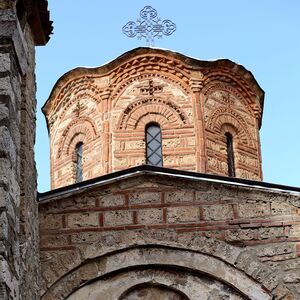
x: 7, y: 147
x: 112, y: 200
x: 4, y: 198
x: 57, y: 240
x: 275, y: 249
x: 171, y: 143
x: 280, y: 208
x: 4, y: 113
x: 129, y: 145
x: 270, y: 232
x: 117, y: 218
x: 217, y: 212
x: 240, y: 234
x: 204, y: 196
x: 5, y: 86
x: 3, y: 226
x: 150, y: 216
x: 74, y: 203
x: 5, y: 172
x: 4, y: 62
x: 253, y: 209
x: 187, y: 160
x: 295, y: 230
x: 144, y: 198
x: 50, y: 222
x: 86, y: 219
x: 84, y: 237
x: 179, y: 196
x: 183, y: 214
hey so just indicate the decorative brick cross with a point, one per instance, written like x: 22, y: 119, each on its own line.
x: 78, y: 108
x: 227, y: 100
x: 150, y: 89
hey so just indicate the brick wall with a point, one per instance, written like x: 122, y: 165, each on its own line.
x: 265, y: 222
x: 194, y: 103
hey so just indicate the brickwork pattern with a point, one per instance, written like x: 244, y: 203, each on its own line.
x: 227, y: 111
x: 266, y: 223
x: 195, y: 105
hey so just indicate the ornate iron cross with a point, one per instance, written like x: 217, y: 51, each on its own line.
x: 149, y: 26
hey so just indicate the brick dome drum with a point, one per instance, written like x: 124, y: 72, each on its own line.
x: 194, y: 103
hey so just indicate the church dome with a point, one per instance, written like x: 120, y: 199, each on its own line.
x: 157, y: 107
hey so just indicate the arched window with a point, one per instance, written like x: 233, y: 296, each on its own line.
x: 78, y: 154
x: 230, y: 154
x: 153, y: 145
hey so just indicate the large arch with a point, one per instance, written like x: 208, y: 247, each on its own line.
x: 156, y: 283
x: 156, y: 256
x: 232, y: 266
x: 124, y: 286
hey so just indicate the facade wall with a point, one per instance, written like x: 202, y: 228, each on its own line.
x: 263, y: 226
x: 194, y: 103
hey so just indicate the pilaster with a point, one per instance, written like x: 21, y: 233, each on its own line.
x: 196, y: 84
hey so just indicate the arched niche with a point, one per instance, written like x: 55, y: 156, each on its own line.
x: 153, y: 292
x: 190, y: 263
x: 79, y: 130
x: 135, y: 115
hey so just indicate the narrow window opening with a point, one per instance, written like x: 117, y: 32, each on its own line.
x: 230, y: 155
x: 79, y: 154
x: 154, y: 145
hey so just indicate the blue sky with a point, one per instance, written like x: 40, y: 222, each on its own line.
x: 263, y: 36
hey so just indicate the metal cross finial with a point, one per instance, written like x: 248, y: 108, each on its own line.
x: 149, y: 26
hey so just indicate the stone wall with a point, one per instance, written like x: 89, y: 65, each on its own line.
x: 258, y: 227
x: 19, y: 256
x: 29, y: 235
x: 194, y: 102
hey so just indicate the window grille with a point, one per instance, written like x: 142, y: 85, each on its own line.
x: 79, y: 154
x: 154, y: 145
x: 230, y: 155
